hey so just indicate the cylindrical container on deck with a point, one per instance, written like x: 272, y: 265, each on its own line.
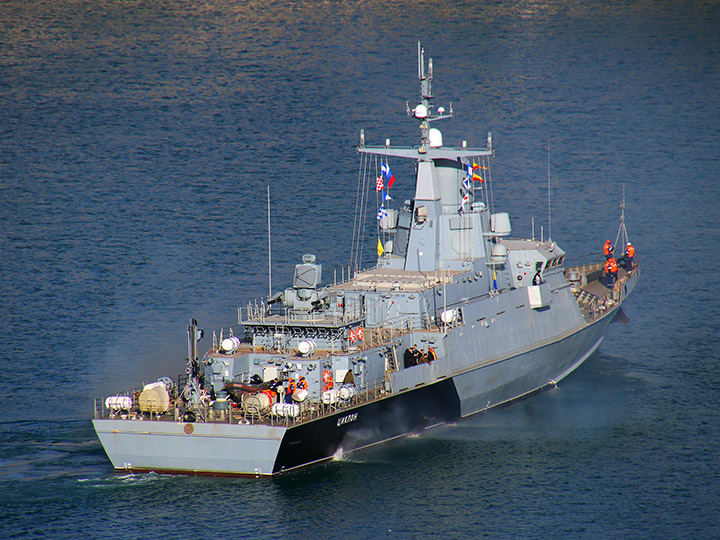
x: 347, y: 392
x: 230, y: 345
x: 330, y: 396
x: 255, y: 403
x: 286, y: 409
x: 118, y: 403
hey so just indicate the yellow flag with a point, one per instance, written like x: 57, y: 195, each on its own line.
x: 380, y: 248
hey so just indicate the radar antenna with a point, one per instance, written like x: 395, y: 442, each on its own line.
x: 423, y: 111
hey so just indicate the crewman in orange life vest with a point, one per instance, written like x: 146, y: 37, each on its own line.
x: 608, y: 249
x: 302, y: 383
x: 289, y: 390
x: 629, y: 254
x: 611, y: 269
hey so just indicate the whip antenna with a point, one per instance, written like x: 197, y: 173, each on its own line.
x: 548, y: 190
x: 269, y: 246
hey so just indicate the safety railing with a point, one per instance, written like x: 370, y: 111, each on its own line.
x: 178, y: 410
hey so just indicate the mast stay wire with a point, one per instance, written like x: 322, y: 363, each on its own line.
x: 353, y: 245
x: 490, y: 196
x: 358, y: 222
x: 363, y: 216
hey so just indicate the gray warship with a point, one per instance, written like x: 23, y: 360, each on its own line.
x: 456, y: 317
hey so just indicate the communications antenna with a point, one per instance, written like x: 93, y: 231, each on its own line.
x: 269, y: 246
x: 548, y: 190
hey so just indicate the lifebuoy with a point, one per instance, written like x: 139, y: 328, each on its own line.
x: 360, y: 334
x: 351, y: 335
x: 327, y: 379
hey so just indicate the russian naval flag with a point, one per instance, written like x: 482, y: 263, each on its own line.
x: 387, y: 173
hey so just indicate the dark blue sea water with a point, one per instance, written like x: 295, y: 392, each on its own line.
x: 137, y: 139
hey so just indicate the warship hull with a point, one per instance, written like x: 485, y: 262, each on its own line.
x: 315, y: 371
x: 258, y: 450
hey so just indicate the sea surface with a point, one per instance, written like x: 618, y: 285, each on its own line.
x: 137, y: 141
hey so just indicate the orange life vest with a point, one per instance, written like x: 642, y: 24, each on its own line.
x: 613, y: 265
x: 607, y: 248
x: 302, y: 384
x: 630, y: 250
x: 290, y: 386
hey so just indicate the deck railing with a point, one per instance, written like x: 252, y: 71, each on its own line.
x: 262, y: 313
x: 236, y: 415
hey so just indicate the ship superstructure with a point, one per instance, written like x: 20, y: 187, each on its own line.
x: 456, y: 317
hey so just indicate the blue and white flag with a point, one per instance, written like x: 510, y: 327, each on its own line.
x: 386, y: 197
x: 382, y: 212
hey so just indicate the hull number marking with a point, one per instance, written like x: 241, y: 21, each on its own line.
x: 347, y: 419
